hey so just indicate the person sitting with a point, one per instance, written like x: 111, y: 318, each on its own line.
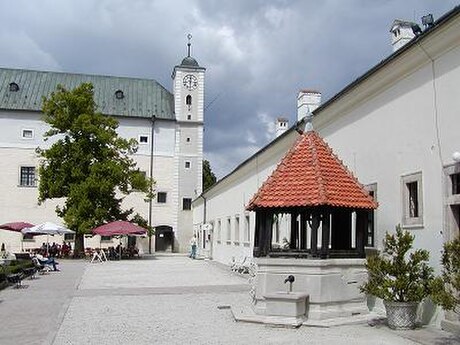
x: 47, y: 261
x: 53, y: 251
x: 132, y: 250
x: 43, y: 248
x: 65, y: 250
x: 113, y: 255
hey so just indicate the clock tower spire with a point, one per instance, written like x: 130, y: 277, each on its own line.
x: 189, y: 37
x: 188, y: 90
x: 188, y: 82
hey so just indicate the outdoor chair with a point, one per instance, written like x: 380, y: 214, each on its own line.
x: 240, y: 266
x: 15, y: 279
x: 29, y: 272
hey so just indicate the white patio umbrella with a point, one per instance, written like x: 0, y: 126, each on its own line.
x: 47, y: 229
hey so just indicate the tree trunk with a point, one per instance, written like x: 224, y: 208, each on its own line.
x: 150, y: 244
x: 79, y: 246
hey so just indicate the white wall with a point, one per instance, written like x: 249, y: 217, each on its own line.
x: 395, y: 134
x: 403, y: 119
x: 21, y: 203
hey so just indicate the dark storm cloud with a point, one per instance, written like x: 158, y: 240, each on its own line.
x: 258, y: 54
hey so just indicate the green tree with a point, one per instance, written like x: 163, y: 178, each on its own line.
x: 141, y: 221
x: 209, y: 179
x: 88, y: 164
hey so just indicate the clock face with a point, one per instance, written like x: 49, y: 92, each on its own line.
x: 190, y: 82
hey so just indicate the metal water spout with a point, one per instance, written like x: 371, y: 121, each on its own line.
x: 290, y: 279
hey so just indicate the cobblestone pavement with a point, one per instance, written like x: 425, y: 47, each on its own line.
x: 32, y: 315
x: 169, y: 300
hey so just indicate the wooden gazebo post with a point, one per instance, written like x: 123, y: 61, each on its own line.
x: 315, y: 222
x: 294, y: 230
x: 325, y: 225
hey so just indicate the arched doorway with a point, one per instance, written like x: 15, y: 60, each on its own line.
x: 164, y: 239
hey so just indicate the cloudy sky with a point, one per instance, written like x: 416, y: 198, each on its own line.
x: 258, y: 53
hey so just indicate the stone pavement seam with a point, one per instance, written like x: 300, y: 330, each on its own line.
x: 169, y: 290
x: 60, y: 319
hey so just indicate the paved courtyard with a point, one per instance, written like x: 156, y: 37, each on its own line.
x: 167, y: 300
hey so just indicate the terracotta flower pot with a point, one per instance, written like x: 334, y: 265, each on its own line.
x: 401, y: 315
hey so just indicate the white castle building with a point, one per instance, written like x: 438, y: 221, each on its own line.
x: 167, y: 125
x: 396, y: 127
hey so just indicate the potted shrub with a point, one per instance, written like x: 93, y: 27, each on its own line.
x: 446, y: 288
x: 400, y: 277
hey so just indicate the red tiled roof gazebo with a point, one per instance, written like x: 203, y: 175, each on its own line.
x: 320, y: 195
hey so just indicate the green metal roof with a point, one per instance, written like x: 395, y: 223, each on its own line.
x: 141, y: 97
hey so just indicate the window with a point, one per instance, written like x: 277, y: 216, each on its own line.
x: 27, y: 134
x: 119, y: 94
x: 247, y: 236
x: 237, y: 230
x: 452, y: 200
x: 412, y: 200
x: 106, y: 238
x: 228, y: 231
x: 219, y: 231
x: 189, y: 117
x: 188, y: 102
x: 28, y: 238
x: 412, y: 188
x: 161, y: 197
x: 27, y: 178
x: 455, y: 179
x: 143, y: 139
x: 187, y: 165
x: 14, y: 87
x: 69, y: 237
x: 186, y: 204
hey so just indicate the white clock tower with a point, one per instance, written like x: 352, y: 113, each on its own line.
x: 188, y: 90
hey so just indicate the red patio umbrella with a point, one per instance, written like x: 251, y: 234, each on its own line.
x: 119, y: 228
x: 16, y: 226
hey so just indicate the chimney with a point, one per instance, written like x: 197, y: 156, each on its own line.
x: 282, y: 125
x: 403, y: 32
x: 307, y: 101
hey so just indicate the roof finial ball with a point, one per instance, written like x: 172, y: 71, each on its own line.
x: 188, y: 61
x: 189, y: 37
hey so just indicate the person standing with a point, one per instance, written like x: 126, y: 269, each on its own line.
x: 193, y: 247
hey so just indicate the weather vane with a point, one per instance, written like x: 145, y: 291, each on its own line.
x: 189, y: 36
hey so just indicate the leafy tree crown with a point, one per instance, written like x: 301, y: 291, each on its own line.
x: 87, y: 163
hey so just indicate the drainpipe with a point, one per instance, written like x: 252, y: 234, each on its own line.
x: 151, y: 177
x: 204, y: 209
x: 204, y: 219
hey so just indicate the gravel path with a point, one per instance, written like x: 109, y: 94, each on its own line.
x: 175, y: 300
x: 168, y: 300
x: 192, y: 319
